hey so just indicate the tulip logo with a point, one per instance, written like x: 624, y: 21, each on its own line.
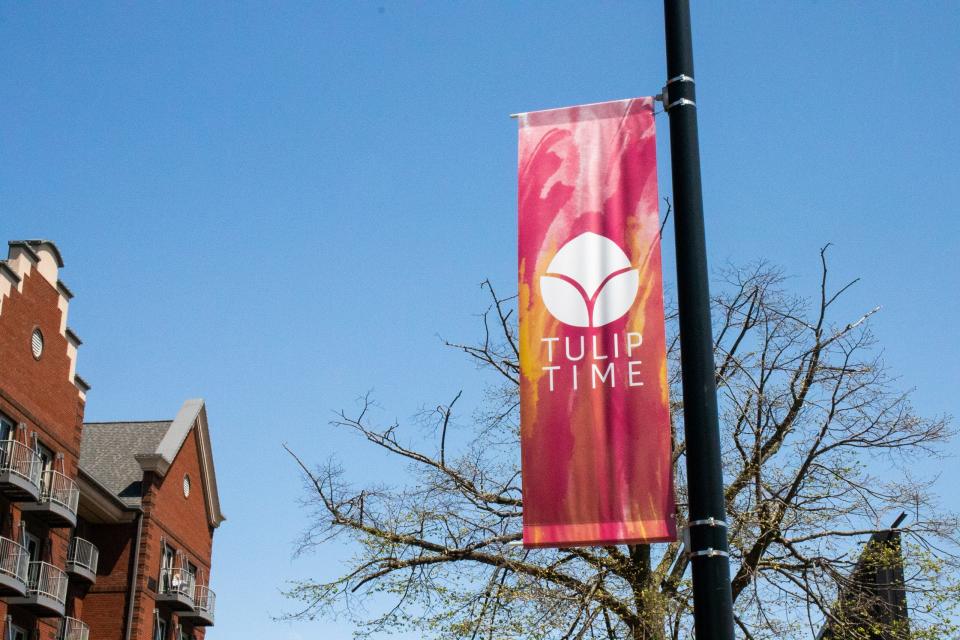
x: 590, y: 282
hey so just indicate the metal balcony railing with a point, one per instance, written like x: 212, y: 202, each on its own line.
x: 59, y: 488
x: 44, y: 579
x: 14, y: 559
x: 20, y: 459
x: 177, y: 581
x: 73, y: 629
x: 204, y: 599
x: 84, y: 554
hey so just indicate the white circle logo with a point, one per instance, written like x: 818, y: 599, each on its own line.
x: 590, y: 282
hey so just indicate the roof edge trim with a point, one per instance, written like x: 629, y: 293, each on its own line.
x: 9, y: 272
x: 110, y: 504
x: 153, y: 462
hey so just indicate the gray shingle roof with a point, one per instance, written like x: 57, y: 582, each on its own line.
x: 116, y: 454
x: 107, y: 452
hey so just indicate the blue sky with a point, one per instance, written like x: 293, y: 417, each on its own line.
x: 278, y: 207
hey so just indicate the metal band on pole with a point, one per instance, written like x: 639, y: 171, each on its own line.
x: 679, y: 103
x: 708, y: 522
x: 680, y: 78
x: 709, y: 553
x: 708, y: 550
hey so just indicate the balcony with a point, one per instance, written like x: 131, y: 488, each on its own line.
x: 82, y: 558
x: 20, y: 468
x: 57, y: 504
x: 176, y: 589
x: 46, y: 590
x: 73, y: 629
x: 204, y: 600
x: 14, y: 563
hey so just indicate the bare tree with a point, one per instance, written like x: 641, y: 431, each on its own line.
x: 819, y: 447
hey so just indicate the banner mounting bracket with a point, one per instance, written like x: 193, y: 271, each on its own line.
x: 684, y: 90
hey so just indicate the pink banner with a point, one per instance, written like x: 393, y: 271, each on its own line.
x: 594, y: 406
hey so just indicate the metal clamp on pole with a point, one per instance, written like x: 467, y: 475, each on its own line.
x: 709, y: 552
x: 685, y: 88
x: 679, y: 103
x: 680, y: 78
x: 708, y: 522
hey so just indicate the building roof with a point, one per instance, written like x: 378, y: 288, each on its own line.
x: 107, y: 452
x: 116, y: 454
x: 9, y: 272
x: 32, y: 245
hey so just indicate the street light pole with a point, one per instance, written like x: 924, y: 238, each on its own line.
x: 708, y: 550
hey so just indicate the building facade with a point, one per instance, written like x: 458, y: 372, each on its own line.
x: 106, y: 529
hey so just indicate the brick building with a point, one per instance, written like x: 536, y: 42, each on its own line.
x: 106, y: 529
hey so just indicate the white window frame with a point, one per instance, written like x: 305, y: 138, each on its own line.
x: 160, y: 629
x: 167, y: 558
x: 38, y: 545
x: 17, y: 633
x: 46, y: 455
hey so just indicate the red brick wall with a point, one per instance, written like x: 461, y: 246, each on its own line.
x: 181, y: 522
x: 39, y: 394
x: 184, y: 520
x: 104, y: 604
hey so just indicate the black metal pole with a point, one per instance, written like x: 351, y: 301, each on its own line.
x: 712, y: 601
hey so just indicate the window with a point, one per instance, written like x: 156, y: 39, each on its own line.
x: 190, y: 578
x: 36, y: 344
x: 166, y: 563
x: 7, y: 428
x: 160, y: 629
x: 32, y: 544
x: 17, y: 633
x: 186, y: 486
x: 46, y: 457
x: 7, y: 432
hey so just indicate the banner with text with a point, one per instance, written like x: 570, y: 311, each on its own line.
x: 594, y: 411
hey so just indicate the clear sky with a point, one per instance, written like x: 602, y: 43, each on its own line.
x: 279, y: 206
